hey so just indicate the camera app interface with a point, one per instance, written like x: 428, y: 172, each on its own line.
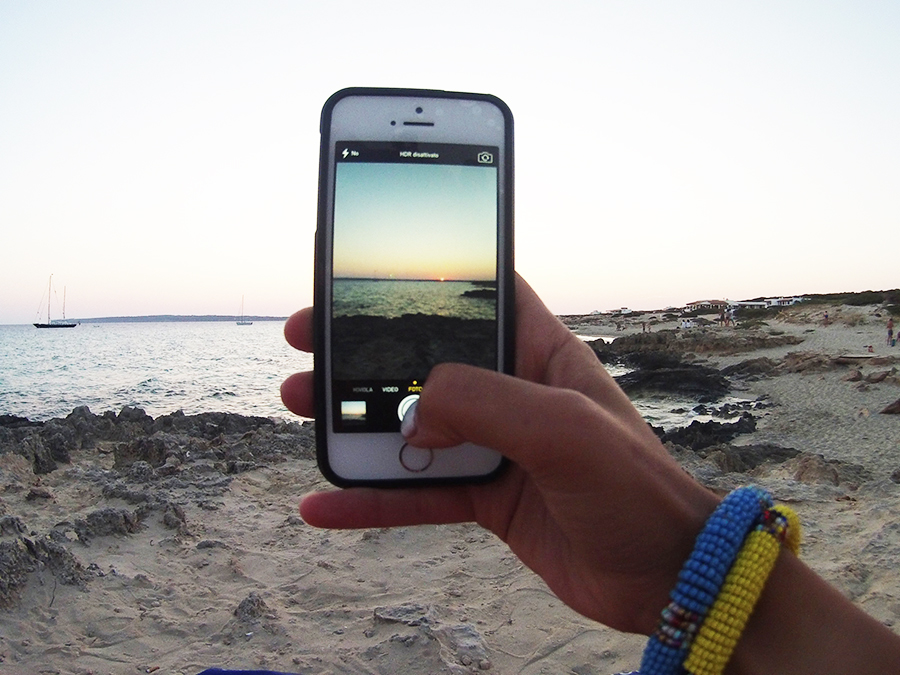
x: 414, y: 273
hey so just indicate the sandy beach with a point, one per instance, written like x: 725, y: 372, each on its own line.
x: 173, y: 545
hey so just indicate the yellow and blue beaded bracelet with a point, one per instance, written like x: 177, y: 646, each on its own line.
x: 720, y: 631
x: 699, y: 581
x: 703, y: 578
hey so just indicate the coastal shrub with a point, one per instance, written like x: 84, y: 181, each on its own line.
x: 697, y: 313
x: 855, y: 299
x: 748, y: 313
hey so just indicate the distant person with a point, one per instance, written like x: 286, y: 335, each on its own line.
x: 890, y: 331
x: 595, y: 505
x: 826, y: 318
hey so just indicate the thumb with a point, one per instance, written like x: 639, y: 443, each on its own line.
x: 549, y: 431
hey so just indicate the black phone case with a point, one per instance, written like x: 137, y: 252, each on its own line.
x: 320, y: 310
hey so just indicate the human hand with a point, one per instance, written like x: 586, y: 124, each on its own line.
x: 592, y: 501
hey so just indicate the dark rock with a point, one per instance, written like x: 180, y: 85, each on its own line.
x: 32, y: 448
x: 700, y: 435
x: 88, y: 427
x: 210, y: 425
x: 38, y: 493
x: 704, y: 383
x: 59, y: 439
x: 170, y: 468
x: 239, y: 466
x: 802, y: 362
x: 11, y: 525
x: 703, y: 341
x: 251, y: 609
x: 58, y: 560
x: 651, y: 360
x: 152, y: 450
x: 409, y: 613
x: 141, y: 472
x: 487, y: 293
x: 121, y: 490
x: 407, y: 347
x: 892, y: 409
x: 750, y: 369
x: 103, y: 523
x: 744, y: 458
x: 16, y: 422
x: 20, y: 557
x: 134, y: 415
x: 128, y: 424
x: 15, y: 564
x: 173, y: 518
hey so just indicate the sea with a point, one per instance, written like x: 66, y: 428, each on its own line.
x: 195, y: 367
x: 392, y: 298
x: 203, y: 366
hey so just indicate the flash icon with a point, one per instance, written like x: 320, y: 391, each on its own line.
x: 345, y: 153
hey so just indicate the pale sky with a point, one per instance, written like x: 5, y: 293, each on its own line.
x: 161, y: 157
x: 415, y: 221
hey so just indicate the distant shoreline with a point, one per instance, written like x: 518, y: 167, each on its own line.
x: 173, y: 318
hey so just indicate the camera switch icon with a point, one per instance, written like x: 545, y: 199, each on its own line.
x: 485, y: 158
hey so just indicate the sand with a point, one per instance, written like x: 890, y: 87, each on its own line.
x: 226, y: 574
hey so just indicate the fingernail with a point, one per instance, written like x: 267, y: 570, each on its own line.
x: 408, y: 425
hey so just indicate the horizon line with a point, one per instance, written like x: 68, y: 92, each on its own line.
x: 165, y: 318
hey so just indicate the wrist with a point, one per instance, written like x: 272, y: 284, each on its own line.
x: 693, y: 509
x: 804, y: 626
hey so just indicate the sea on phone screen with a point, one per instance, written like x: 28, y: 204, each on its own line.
x: 398, y: 329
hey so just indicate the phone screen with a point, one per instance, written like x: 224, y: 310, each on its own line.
x: 414, y: 273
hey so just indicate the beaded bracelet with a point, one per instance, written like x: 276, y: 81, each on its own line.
x: 715, y: 642
x: 700, y: 579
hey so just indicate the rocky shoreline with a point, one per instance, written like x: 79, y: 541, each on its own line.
x: 406, y: 347
x: 151, y: 468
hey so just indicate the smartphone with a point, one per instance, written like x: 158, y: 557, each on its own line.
x: 414, y: 267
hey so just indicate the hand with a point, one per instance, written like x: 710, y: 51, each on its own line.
x: 592, y: 502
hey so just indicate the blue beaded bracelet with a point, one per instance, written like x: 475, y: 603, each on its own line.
x: 699, y: 581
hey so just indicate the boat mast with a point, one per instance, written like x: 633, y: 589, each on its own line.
x: 49, y: 290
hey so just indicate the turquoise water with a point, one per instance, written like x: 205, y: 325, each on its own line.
x: 392, y: 298
x: 161, y: 367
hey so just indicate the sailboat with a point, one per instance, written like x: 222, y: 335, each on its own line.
x: 50, y: 322
x: 241, y: 321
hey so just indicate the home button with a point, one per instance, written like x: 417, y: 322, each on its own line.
x: 415, y: 460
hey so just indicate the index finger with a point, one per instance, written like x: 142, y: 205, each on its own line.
x: 298, y: 330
